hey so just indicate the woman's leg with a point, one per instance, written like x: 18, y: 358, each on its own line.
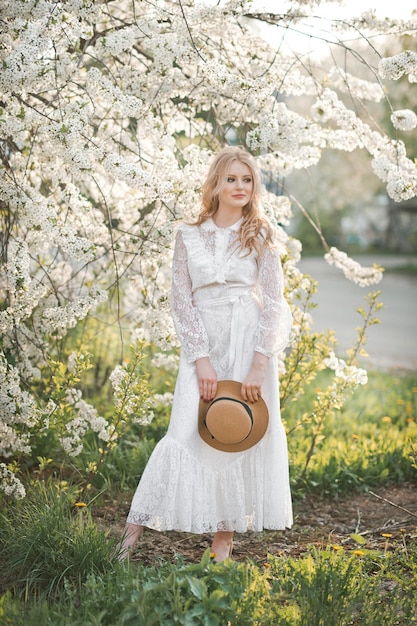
x: 131, y: 535
x: 222, y: 545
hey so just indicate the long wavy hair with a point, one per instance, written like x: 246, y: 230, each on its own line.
x: 254, y: 223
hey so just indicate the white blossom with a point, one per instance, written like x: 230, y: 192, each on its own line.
x: 404, y: 119
x: 354, y: 271
x: 396, y: 66
x: 10, y: 484
x: 87, y: 419
x: 351, y: 374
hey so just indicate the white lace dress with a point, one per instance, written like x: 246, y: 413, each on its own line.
x: 226, y: 304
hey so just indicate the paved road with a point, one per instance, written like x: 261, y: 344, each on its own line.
x: 391, y: 344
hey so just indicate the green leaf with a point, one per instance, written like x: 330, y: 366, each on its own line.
x: 198, y: 587
x: 205, y: 559
x: 358, y: 538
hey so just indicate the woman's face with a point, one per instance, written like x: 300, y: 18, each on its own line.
x: 238, y: 189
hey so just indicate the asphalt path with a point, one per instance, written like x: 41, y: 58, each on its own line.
x: 392, y: 344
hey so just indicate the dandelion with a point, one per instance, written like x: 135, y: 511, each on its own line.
x: 355, y: 437
x: 359, y: 552
x: 386, y: 535
x: 213, y: 555
x: 336, y: 548
x: 386, y: 419
x: 267, y: 564
x: 80, y: 505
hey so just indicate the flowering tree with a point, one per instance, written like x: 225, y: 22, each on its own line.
x: 109, y: 115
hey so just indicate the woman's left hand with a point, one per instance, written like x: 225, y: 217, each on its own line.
x: 252, y: 385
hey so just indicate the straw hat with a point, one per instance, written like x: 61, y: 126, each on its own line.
x: 229, y: 423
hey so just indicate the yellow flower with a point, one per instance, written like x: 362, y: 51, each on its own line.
x: 403, y: 530
x: 414, y: 390
x: 386, y: 419
x: 359, y: 552
x: 337, y: 548
x: 355, y: 436
x: 386, y: 535
x: 267, y: 564
x: 80, y: 504
x: 213, y: 555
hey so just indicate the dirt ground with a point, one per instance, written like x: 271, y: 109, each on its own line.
x: 319, y: 522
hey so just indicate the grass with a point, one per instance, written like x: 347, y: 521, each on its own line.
x: 48, y: 541
x: 370, y: 442
x: 58, y: 568
x: 326, y: 587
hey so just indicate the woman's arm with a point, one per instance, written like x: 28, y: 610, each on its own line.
x: 188, y: 323
x: 207, y: 379
x: 276, y: 320
x: 274, y: 324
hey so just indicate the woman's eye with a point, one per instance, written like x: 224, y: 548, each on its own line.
x: 230, y: 179
x: 247, y: 180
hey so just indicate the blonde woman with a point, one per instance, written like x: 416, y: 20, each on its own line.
x: 232, y: 320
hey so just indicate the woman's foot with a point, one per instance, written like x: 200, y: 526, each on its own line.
x: 222, y: 546
x: 131, y: 536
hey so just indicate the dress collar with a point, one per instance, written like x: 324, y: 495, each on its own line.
x: 210, y: 225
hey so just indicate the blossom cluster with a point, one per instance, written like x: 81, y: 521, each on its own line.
x: 404, y: 119
x: 87, y: 419
x: 10, y: 484
x: 18, y: 412
x: 354, y: 271
x: 353, y: 375
x: 404, y: 63
x: 130, y: 397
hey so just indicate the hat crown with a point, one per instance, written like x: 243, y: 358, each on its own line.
x: 229, y: 420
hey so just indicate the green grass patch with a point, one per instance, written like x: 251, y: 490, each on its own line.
x: 323, y: 588
x: 370, y: 442
x: 48, y: 541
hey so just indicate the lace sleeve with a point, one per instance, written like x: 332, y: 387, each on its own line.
x: 188, y: 323
x: 276, y: 320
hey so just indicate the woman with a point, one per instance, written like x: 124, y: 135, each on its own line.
x: 232, y: 320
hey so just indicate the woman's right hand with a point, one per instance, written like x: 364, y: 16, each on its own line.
x: 207, y: 379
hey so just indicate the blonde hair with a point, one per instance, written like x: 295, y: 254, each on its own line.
x: 254, y: 221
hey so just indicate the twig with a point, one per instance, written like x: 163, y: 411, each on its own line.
x: 397, y: 506
x: 358, y: 523
x: 190, y: 34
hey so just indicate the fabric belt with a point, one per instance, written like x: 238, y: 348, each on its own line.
x: 241, y: 305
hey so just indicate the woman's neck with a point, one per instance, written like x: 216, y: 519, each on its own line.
x: 223, y: 219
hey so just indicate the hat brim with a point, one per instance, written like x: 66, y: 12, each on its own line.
x: 232, y: 389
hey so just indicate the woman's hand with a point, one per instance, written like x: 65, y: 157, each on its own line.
x: 252, y: 385
x: 207, y: 379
